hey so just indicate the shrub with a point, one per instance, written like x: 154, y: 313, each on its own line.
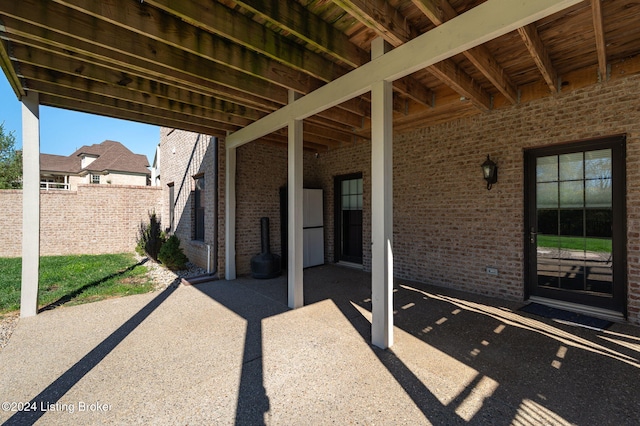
x: 171, y: 254
x: 150, y: 237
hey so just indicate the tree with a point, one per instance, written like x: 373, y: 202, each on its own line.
x: 10, y: 161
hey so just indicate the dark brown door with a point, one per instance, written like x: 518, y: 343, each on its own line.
x: 575, y: 223
x: 348, y: 218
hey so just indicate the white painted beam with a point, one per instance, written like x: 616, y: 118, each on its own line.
x: 381, y: 206
x: 295, y: 205
x: 470, y: 29
x: 30, y: 204
x: 230, y: 215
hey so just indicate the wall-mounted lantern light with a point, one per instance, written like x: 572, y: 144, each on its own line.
x: 490, y: 172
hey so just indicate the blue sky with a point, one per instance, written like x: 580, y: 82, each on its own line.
x: 63, y: 131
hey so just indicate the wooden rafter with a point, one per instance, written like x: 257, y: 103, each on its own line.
x: 440, y: 11
x: 180, y: 36
x: 297, y: 20
x: 46, y: 81
x: 5, y: 65
x: 142, y: 20
x: 126, y: 114
x: 480, y: 25
x: 598, y: 27
x: 218, y: 19
x: 93, y: 38
x: 217, y: 65
x: 171, y: 72
x: 397, y: 35
x: 538, y: 52
x: 115, y: 81
x: 97, y: 68
x: 381, y: 17
x: 110, y: 80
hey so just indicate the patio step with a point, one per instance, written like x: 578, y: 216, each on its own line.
x: 199, y: 279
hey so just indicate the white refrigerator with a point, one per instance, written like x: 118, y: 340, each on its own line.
x: 313, y: 228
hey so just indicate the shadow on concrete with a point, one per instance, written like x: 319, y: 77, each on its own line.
x: 518, y: 369
x: 56, y: 390
x: 528, y: 369
x: 70, y: 296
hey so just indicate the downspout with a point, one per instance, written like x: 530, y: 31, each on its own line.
x: 214, y: 141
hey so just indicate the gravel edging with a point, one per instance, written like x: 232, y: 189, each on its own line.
x: 7, y: 325
x: 161, y: 276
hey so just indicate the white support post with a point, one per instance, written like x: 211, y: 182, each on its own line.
x: 295, y: 199
x: 30, y: 204
x: 230, y: 215
x: 381, y: 206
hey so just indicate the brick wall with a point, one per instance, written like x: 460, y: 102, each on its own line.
x: 95, y: 219
x: 260, y: 173
x: 183, y: 156
x: 344, y: 161
x: 447, y: 226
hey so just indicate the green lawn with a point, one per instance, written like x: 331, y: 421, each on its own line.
x: 601, y: 245
x: 74, y: 280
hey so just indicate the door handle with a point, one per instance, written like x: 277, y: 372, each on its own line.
x: 532, y: 236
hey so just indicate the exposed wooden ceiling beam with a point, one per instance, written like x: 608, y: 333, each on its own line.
x: 91, y: 53
x: 131, y: 115
x: 92, y: 72
x: 452, y: 75
x: 42, y: 55
x: 91, y: 103
x: 149, y: 59
x: 218, y: 19
x: 397, y: 32
x: 601, y: 47
x: 440, y: 11
x: 531, y: 38
x: 119, y: 108
x: 292, y: 17
x: 51, y: 79
x: 9, y: 71
x: 474, y: 27
x: 96, y: 67
x: 297, y: 20
x: 163, y: 46
x: 380, y: 16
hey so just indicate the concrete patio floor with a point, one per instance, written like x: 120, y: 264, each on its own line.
x: 233, y: 353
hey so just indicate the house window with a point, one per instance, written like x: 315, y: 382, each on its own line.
x: 172, y: 206
x: 198, y: 208
x: 95, y: 178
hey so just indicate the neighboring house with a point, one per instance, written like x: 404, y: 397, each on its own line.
x: 108, y: 162
x: 155, y: 168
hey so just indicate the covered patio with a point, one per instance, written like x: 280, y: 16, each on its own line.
x: 233, y: 353
x: 313, y: 77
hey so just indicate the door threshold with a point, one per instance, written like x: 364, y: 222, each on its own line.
x: 606, y: 314
x: 349, y: 264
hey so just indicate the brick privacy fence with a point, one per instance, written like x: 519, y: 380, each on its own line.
x: 95, y: 219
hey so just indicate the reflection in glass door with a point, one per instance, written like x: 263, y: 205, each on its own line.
x: 575, y: 223
x: 349, y: 218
